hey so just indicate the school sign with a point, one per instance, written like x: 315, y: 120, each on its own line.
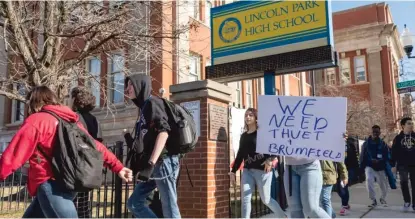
x: 248, y: 30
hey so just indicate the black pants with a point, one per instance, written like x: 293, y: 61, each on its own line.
x: 82, y: 204
x: 404, y: 172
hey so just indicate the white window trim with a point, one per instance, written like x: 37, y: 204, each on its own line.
x: 196, y: 10
x: 207, y: 12
x: 198, y: 66
x: 341, y: 72
x: 355, y: 67
x: 87, y: 66
x: 248, y: 94
x: 109, y: 77
x: 326, y: 79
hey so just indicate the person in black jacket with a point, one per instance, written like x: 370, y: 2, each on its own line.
x: 403, y: 160
x: 83, y: 102
x: 257, y: 169
x: 155, y: 161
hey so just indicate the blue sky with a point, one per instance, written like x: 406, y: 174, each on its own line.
x: 402, y: 13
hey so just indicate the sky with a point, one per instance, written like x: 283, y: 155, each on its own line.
x: 402, y: 13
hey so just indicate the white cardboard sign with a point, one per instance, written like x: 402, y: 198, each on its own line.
x: 306, y: 127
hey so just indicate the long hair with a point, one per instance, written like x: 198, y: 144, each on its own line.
x: 40, y: 96
x: 255, y: 112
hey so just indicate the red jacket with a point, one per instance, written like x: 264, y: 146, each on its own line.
x: 39, y: 129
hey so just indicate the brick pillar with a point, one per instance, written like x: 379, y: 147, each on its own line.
x: 208, y: 165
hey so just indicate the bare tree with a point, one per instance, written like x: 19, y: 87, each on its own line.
x: 48, y: 41
x: 361, y: 113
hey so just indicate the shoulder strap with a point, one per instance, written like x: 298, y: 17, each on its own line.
x: 169, y: 110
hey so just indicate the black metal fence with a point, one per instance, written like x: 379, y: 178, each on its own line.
x: 108, y: 201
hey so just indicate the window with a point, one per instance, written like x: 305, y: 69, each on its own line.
x: 239, y: 93
x: 208, y: 6
x: 94, y: 82
x: 18, y: 106
x: 345, y: 71
x: 261, y: 86
x: 297, y: 75
x: 194, y: 68
x: 72, y: 84
x: 248, y: 94
x: 330, y: 76
x: 116, y: 74
x: 195, y: 4
x: 360, y: 68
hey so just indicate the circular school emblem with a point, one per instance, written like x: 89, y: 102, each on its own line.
x: 230, y: 30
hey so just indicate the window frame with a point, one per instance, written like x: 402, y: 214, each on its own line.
x: 248, y: 94
x: 111, y: 77
x: 327, y: 80
x: 341, y: 71
x: 22, y: 106
x: 207, y: 12
x: 93, y: 79
x: 198, y: 69
x: 363, y: 57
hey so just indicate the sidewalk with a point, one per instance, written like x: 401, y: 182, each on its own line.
x: 359, y: 201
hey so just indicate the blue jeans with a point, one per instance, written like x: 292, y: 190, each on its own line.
x: 325, y: 200
x: 166, y: 173
x: 344, y: 191
x: 307, y: 181
x: 252, y: 177
x: 52, y: 201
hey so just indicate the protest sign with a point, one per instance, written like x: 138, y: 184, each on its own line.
x: 237, y: 127
x: 307, y: 127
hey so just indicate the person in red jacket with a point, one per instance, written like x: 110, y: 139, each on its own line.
x: 52, y: 199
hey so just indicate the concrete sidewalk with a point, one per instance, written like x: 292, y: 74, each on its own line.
x: 359, y: 202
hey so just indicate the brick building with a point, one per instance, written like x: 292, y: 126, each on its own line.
x: 369, y: 49
x: 195, y: 46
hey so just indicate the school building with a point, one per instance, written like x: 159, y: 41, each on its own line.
x: 370, y: 51
x: 174, y: 69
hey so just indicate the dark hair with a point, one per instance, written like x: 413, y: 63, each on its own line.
x: 40, y: 96
x: 83, y: 101
x: 255, y: 112
x: 404, y: 120
x: 376, y: 127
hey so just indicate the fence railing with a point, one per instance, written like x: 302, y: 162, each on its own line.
x: 110, y: 201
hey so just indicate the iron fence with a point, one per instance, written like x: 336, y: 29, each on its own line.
x: 108, y: 201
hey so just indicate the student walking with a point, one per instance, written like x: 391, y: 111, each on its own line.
x: 303, y: 183
x: 35, y: 141
x: 83, y: 102
x: 257, y: 170
x: 403, y: 160
x: 374, y: 158
x: 352, y: 165
x: 331, y: 171
x: 155, y: 162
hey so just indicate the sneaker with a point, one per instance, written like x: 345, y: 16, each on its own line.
x: 344, y: 211
x: 406, y: 207
x: 374, y: 204
x: 383, y: 202
x: 413, y: 208
x: 346, y: 207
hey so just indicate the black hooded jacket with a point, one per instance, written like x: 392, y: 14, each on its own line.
x: 403, y: 150
x: 154, y: 120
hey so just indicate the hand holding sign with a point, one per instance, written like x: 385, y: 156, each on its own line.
x: 309, y: 127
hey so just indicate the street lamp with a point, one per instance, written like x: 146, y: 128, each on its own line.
x: 406, y: 39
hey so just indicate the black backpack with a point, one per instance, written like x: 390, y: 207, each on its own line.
x: 182, y: 137
x: 76, y: 163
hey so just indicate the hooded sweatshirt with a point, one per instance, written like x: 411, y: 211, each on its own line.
x: 39, y: 129
x: 153, y: 121
x: 403, y: 150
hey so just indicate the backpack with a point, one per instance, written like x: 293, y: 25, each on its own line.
x: 76, y: 163
x: 183, y: 136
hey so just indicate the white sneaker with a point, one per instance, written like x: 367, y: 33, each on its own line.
x: 406, y: 207
x: 383, y: 202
